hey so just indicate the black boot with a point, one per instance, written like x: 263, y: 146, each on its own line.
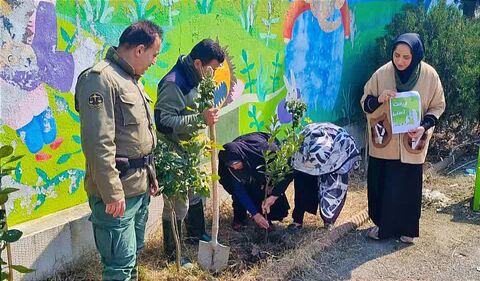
x: 195, y: 223
x: 134, y: 275
x: 169, y: 243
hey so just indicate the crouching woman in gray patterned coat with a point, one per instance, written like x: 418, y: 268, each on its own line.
x: 327, y: 155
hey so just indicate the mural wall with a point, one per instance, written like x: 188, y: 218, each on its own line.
x: 314, y: 49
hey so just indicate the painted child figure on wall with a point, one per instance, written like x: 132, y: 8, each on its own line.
x: 28, y: 61
x: 314, y: 33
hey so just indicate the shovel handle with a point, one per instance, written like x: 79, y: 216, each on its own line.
x: 216, y: 211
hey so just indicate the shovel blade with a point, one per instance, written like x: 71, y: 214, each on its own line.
x: 212, y: 257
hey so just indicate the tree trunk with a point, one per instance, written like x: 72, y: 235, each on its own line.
x: 173, y: 221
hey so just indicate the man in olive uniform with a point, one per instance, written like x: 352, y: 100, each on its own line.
x: 118, y: 139
x: 176, y: 93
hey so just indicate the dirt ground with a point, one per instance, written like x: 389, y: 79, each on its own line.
x: 248, y: 251
x: 447, y: 250
x: 448, y: 247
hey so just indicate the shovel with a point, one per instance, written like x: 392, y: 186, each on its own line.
x: 213, y: 256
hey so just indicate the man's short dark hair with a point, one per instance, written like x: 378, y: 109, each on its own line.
x: 206, y: 51
x: 140, y: 33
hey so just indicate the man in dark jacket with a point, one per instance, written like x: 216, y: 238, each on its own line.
x: 176, y: 94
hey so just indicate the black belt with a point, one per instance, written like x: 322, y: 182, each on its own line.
x: 123, y: 164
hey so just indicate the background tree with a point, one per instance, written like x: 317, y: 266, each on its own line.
x: 452, y: 47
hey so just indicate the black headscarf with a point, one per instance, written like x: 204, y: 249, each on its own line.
x: 247, y: 148
x: 406, y: 79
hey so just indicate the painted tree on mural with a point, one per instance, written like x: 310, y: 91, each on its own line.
x: 268, y: 22
x: 139, y: 11
x: 171, y: 11
x: 205, y: 6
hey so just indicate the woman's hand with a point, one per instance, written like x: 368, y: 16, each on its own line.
x: 261, y: 221
x: 386, y: 95
x: 417, y: 133
x: 267, y: 203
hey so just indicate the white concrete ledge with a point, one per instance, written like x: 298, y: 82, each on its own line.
x: 51, y: 243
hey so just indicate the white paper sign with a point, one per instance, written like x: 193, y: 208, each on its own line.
x: 405, y: 111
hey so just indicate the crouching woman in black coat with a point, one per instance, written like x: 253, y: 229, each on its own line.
x: 241, y: 167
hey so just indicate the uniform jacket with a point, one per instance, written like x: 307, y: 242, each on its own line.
x: 115, y: 121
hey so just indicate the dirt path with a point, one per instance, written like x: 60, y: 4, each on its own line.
x: 448, y: 248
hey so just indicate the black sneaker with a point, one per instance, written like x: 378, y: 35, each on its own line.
x: 294, y: 227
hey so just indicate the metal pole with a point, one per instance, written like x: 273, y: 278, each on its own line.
x: 476, y: 194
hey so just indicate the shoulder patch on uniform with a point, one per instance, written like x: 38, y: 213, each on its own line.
x: 95, y: 100
x: 100, y: 66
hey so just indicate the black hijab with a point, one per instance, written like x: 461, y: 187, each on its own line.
x: 248, y: 149
x: 406, y: 79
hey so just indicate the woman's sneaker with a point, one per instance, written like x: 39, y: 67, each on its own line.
x: 294, y: 227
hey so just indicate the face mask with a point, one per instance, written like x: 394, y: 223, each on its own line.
x: 206, y: 71
x: 241, y: 175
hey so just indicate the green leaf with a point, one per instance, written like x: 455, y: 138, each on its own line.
x: 12, y: 235
x: 65, y: 35
x: 244, y: 71
x: 217, y: 146
x: 151, y: 10
x: 41, y: 173
x: 64, y: 158
x: 3, y: 198
x: 244, y: 55
x: 14, y: 158
x: 8, y: 190
x: 5, y: 151
x: 22, y: 269
x: 215, y: 177
x: 8, y: 170
x: 18, y: 172
x: 77, y: 139
x: 4, y: 276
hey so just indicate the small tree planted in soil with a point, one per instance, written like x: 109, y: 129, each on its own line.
x: 277, y: 163
x: 8, y: 236
x: 177, y: 172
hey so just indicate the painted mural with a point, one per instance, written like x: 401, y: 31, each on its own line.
x: 311, y: 49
